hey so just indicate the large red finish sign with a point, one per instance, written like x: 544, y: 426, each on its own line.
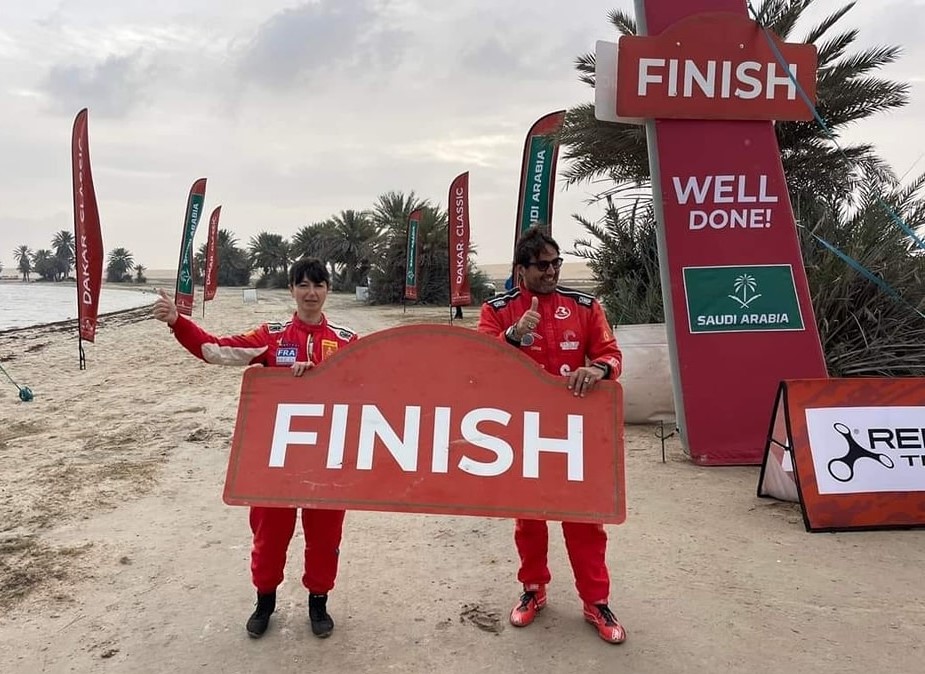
x: 714, y: 66
x: 429, y: 419
x: 737, y: 300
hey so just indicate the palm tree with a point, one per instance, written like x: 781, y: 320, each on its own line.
x: 23, y: 256
x: 390, y: 214
x: 314, y: 241
x: 270, y: 253
x: 864, y: 330
x: 392, y: 209
x: 846, y: 93
x: 622, y: 253
x: 140, y: 273
x: 311, y: 240
x: 350, y: 241
x: 121, y: 262
x: 388, y: 274
x: 234, y: 265
x: 433, y: 257
x: 44, y: 264
x: 63, y: 244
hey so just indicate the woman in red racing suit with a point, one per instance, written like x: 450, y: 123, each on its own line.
x: 303, y: 342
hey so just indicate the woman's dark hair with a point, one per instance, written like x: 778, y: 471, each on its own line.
x: 311, y: 269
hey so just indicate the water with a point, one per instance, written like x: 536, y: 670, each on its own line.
x: 26, y: 304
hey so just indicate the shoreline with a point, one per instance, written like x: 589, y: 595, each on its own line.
x: 71, y: 321
x: 71, y: 283
x: 61, y: 326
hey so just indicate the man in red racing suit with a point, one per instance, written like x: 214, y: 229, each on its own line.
x: 305, y: 341
x: 567, y: 333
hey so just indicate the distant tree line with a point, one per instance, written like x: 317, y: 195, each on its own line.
x: 360, y: 247
x: 56, y: 263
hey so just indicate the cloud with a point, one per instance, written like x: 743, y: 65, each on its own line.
x: 314, y: 40
x: 492, y: 57
x: 9, y: 47
x: 897, y: 22
x: 296, y: 109
x: 486, y: 151
x: 112, y: 87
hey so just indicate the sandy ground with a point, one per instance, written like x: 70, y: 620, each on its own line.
x: 118, y: 555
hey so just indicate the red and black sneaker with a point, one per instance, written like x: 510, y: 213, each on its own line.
x: 531, y: 601
x: 608, y: 627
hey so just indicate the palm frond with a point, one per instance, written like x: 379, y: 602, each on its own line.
x: 819, y: 30
x: 781, y: 17
x: 834, y: 48
x: 622, y: 21
x: 586, y: 64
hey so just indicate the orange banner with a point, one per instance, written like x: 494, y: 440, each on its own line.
x: 852, y: 451
x: 390, y: 423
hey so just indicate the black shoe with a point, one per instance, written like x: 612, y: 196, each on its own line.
x: 260, y: 619
x: 322, y: 623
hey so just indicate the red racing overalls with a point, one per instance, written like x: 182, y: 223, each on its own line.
x: 280, y: 345
x: 573, y: 332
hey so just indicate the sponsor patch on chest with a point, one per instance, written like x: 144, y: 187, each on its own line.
x: 286, y: 354
x: 569, y: 341
x: 328, y: 346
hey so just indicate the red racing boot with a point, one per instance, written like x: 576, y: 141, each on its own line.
x: 608, y: 627
x: 531, y: 601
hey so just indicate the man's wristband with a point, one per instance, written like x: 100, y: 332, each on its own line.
x: 603, y: 367
x: 511, y: 337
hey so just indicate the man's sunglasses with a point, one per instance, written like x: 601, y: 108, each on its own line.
x: 543, y: 265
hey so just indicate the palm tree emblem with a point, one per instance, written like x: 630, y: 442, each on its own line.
x: 746, y: 285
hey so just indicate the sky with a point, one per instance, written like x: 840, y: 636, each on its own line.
x: 294, y: 111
